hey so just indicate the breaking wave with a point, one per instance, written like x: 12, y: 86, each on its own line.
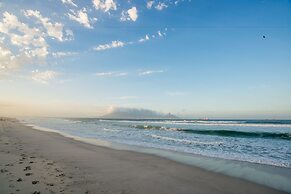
x: 185, y: 141
x: 224, y: 133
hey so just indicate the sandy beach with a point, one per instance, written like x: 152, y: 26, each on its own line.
x: 33, y: 161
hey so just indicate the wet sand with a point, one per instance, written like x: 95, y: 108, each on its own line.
x: 33, y: 161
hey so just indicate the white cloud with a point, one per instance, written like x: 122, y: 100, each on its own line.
x: 69, y: 2
x: 101, y: 74
x: 161, y: 6
x: 7, y: 60
x: 10, y: 24
x: 69, y: 34
x: 113, y: 44
x: 38, y: 52
x: 63, y: 54
x: 54, y: 30
x: 178, y: 1
x: 117, y: 43
x: 133, y: 13
x: 150, y: 4
x: 146, y: 38
x: 104, y: 5
x: 43, y: 76
x: 130, y: 14
x: 81, y: 17
x: 111, y: 74
x: 20, y: 44
x: 124, y: 16
x: 149, y: 72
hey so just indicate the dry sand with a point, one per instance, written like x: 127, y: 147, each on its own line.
x: 33, y: 161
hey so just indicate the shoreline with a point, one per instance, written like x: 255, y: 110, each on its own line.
x: 138, y: 168
x: 137, y: 148
x: 254, y: 172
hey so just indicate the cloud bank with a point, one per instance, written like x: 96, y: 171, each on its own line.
x: 135, y: 113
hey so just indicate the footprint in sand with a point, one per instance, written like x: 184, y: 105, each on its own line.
x: 3, y: 170
x: 27, y: 168
x: 61, y: 175
x: 58, y: 170
x: 34, y: 182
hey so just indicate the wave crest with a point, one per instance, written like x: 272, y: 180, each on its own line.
x: 185, y: 141
x: 224, y: 133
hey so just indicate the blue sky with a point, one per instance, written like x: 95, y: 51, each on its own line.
x: 198, y: 58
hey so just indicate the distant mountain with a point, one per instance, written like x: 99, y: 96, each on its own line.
x: 134, y: 113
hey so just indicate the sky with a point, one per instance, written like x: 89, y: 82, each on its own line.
x: 193, y: 58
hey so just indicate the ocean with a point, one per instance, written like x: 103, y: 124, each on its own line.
x: 265, y: 142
